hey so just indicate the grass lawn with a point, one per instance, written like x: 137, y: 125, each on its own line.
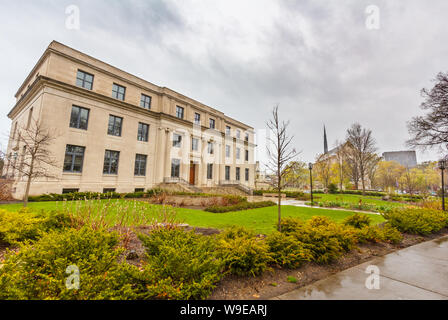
x: 352, y: 198
x: 261, y: 220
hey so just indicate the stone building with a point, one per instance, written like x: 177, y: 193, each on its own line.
x: 118, y: 132
x: 407, y: 159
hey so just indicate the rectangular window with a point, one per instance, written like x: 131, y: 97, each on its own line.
x: 209, y: 171
x: 212, y: 123
x: 79, y: 118
x: 238, y: 134
x: 175, y: 168
x: 246, y: 137
x: 177, y: 140
x: 74, y: 158
x: 140, y: 165
x: 228, y: 131
x: 142, y: 133
x: 237, y: 174
x: 118, y: 92
x: 84, y: 80
x: 111, y: 162
x: 65, y: 191
x: 227, y: 173
x: 139, y: 190
x: 145, y: 101
x: 197, y: 118
x: 210, y: 148
x: 247, y: 155
x: 108, y: 190
x: 114, y: 127
x: 247, y: 174
x: 238, y: 151
x: 194, y: 144
x: 227, y: 151
x: 30, y: 117
x: 179, y: 112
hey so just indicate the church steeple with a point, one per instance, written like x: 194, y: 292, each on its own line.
x: 325, y: 141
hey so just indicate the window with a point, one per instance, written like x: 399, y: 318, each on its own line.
x: 108, y: 190
x: 247, y: 174
x: 228, y: 131
x: 237, y: 174
x: 238, y: 151
x: 194, y: 144
x: 227, y: 151
x: 145, y: 101
x: 197, y: 118
x: 114, y: 128
x: 74, y: 158
x: 175, y: 168
x: 118, y: 92
x: 30, y: 117
x: 227, y: 173
x: 179, y: 112
x: 140, y: 165
x: 209, y: 171
x: 238, y: 133
x: 65, y: 191
x: 210, y: 147
x: 139, y: 190
x: 177, y: 140
x: 247, y: 155
x: 79, y: 118
x: 246, y: 137
x: 212, y: 123
x: 84, y: 80
x: 111, y: 162
x: 142, y: 133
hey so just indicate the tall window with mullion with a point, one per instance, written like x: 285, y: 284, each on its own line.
x: 227, y: 151
x: 140, y: 165
x: 74, y: 158
x: 145, y: 101
x: 237, y: 173
x: 143, y: 130
x: 227, y: 173
x: 209, y: 171
x: 194, y: 144
x: 247, y: 174
x: 197, y: 118
x: 111, y: 159
x: 175, y: 168
x: 179, y: 112
x: 79, y: 118
x: 114, y: 127
x: 118, y: 92
x: 84, y: 80
x: 210, y: 148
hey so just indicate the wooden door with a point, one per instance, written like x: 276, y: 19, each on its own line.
x: 192, y: 172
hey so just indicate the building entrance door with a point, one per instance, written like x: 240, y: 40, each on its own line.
x: 192, y: 172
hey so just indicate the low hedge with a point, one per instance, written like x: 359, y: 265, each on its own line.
x: 240, y: 206
x: 417, y: 220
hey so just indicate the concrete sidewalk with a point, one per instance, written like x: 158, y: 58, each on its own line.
x: 417, y: 272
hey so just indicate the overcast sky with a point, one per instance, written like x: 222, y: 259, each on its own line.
x: 316, y: 59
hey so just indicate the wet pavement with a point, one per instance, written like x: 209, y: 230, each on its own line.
x: 417, y: 272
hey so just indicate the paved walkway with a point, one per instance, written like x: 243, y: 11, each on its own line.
x: 299, y: 203
x: 417, y: 272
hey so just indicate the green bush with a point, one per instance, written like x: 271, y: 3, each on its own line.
x: 181, y: 265
x: 357, y: 220
x: 240, y: 206
x: 385, y: 233
x: 16, y: 227
x: 38, y: 271
x: 391, y: 234
x: 287, y: 251
x: 242, y: 252
x: 290, y: 225
x: 332, y: 188
x: 417, y: 220
x: 325, y: 239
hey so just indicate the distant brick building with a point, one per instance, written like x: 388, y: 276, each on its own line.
x: 405, y: 158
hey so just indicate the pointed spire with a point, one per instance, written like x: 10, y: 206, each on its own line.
x: 325, y: 141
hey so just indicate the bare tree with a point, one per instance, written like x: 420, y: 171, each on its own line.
x: 280, y: 154
x: 352, y: 167
x: 36, y: 160
x: 431, y: 129
x: 363, y: 150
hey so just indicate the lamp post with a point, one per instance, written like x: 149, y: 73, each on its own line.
x: 310, y: 166
x: 442, y: 167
